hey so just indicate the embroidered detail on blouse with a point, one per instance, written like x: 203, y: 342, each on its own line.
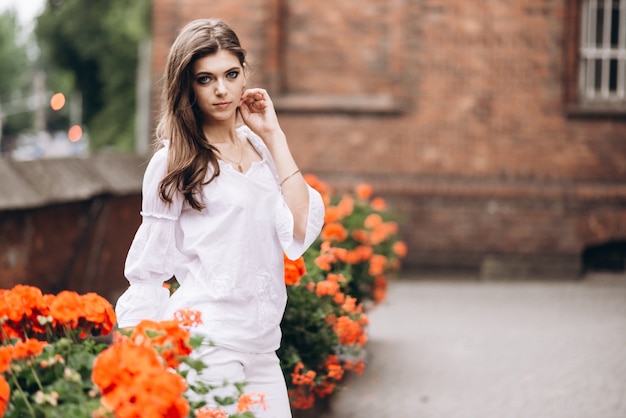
x: 267, y: 300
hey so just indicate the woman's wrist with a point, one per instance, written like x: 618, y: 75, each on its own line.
x: 275, y: 140
x: 296, y: 171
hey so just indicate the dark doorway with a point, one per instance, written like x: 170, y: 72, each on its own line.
x: 609, y: 257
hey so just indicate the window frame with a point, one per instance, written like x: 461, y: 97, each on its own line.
x: 582, y: 56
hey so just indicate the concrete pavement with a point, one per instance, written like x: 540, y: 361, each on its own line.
x: 447, y: 349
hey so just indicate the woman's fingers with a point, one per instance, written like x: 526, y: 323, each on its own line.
x: 256, y: 99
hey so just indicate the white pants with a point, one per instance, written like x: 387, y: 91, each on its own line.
x: 261, y: 371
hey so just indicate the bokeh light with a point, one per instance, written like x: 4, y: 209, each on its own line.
x: 57, y: 101
x: 75, y: 133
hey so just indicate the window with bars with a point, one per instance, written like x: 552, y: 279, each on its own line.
x: 602, y: 64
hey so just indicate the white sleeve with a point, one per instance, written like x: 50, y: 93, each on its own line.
x: 152, y: 254
x: 292, y: 247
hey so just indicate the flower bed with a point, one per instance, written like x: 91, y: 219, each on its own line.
x: 341, y: 277
x: 60, y: 357
x: 52, y: 364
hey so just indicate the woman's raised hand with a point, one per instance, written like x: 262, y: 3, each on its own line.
x: 257, y: 111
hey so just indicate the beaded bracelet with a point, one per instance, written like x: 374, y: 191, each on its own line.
x: 289, y: 176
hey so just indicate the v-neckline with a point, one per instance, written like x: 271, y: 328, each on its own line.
x: 244, y: 173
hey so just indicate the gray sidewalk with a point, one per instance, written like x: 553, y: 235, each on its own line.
x: 446, y: 349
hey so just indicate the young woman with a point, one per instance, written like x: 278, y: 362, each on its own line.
x: 221, y: 204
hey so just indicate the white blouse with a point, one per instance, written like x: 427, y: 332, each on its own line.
x: 228, y: 257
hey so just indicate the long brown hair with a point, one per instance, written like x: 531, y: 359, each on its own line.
x: 180, y: 121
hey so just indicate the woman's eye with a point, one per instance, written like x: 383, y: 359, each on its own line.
x: 232, y: 74
x: 204, y: 79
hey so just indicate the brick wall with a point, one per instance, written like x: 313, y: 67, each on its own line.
x: 454, y: 110
x: 68, y: 223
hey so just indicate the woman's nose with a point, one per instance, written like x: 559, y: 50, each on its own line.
x: 220, y: 87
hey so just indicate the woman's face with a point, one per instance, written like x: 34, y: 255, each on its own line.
x: 218, y: 81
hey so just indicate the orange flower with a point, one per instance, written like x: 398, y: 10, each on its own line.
x: 339, y: 253
x: 317, y: 184
x: 169, y: 338
x: 324, y: 261
x: 363, y: 191
x: 21, y: 302
x: 329, y: 255
x: 377, y: 264
x: 66, y: 308
x: 352, y: 257
x: 326, y: 288
x: 30, y: 297
x: 378, y: 204
x: 359, y: 254
x: 5, y: 395
x: 298, y: 378
x: 339, y: 298
x: 30, y: 347
x: 399, y: 248
x: 382, y: 232
x: 134, y: 382
x: 247, y: 400
x: 120, y: 363
x: 350, y: 306
x: 338, y: 278
x: 301, y: 398
x: 345, y: 206
x: 6, y: 356
x: 303, y: 379
x: 357, y: 366
x: 98, y: 312
x: 360, y: 235
x: 208, y: 412
x: 154, y: 393
x: 188, y: 317
x: 331, y: 359
x: 372, y: 220
x: 335, y: 371
x: 326, y: 388
x: 380, y: 289
x: 334, y: 231
x: 294, y: 270
x: 365, y: 251
x: 331, y: 214
x: 349, y: 332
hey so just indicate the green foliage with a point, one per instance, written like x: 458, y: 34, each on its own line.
x: 307, y: 336
x: 13, y: 58
x: 97, y: 42
x: 59, y: 376
x: 14, y: 71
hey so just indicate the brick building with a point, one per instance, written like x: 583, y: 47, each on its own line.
x: 496, y: 131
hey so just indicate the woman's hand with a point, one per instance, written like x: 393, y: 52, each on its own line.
x: 257, y: 111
